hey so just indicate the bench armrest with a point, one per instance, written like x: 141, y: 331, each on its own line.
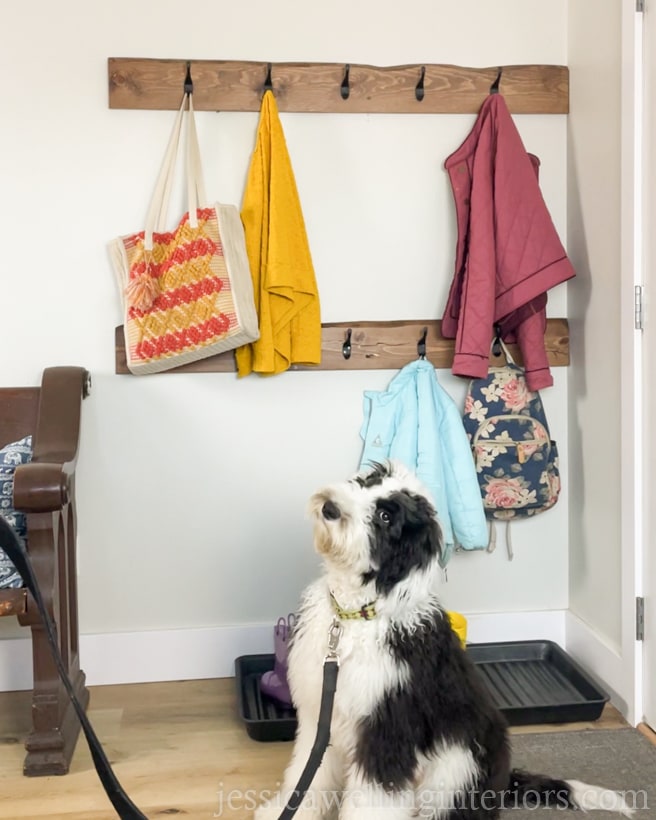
x: 44, y: 485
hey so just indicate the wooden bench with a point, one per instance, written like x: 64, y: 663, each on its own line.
x: 45, y: 490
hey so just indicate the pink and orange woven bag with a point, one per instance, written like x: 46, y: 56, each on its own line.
x: 187, y: 293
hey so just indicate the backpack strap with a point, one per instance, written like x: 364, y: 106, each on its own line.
x: 499, y: 341
x: 511, y: 554
x: 492, y: 541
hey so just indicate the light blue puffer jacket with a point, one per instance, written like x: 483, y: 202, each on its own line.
x: 417, y: 422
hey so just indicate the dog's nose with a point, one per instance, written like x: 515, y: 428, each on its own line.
x: 330, y: 511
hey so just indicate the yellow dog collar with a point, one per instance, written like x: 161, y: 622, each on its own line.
x: 366, y: 612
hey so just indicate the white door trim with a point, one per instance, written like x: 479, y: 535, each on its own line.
x: 631, y: 479
x: 603, y: 662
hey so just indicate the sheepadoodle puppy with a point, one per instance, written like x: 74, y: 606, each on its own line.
x: 414, y: 732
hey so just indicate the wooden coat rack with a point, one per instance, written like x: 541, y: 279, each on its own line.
x: 232, y: 85
x: 374, y: 346
x: 229, y: 85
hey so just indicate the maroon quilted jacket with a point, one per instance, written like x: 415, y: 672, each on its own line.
x: 508, y: 253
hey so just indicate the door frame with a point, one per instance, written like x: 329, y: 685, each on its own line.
x: 632, y: 506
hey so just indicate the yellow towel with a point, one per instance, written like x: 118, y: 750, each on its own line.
x: 284, y: 284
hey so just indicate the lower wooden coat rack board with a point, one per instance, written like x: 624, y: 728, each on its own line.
x: 374, y: 346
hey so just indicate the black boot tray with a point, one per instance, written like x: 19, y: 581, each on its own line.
x: 537, y: 682
x: 532, y: 682
x: 265, y: 718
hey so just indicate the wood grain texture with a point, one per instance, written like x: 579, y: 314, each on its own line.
x: 374, y: 346
x: 229, y: 85
x: 178, y: 748
x: 13, y: 602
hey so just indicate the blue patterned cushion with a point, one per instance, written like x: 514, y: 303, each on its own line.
x: 18, y: 452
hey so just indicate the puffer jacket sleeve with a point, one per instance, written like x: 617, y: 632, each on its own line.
x: 445, y: 465
x: 462, y: 490
x: 430, y: 466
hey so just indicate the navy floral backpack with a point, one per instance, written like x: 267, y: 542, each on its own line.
x: 516, y: 460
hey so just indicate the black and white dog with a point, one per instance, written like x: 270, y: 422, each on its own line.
x: 414, y: 731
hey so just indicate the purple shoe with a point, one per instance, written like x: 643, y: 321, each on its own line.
x: 274, y: 684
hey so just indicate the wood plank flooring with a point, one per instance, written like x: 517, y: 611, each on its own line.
x: 178, y: 749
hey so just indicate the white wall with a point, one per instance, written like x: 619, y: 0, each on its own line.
x: 604, y: 379
x: 594, y: 209
x: 205, y: 469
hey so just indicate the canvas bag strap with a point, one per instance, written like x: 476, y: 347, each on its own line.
x: 195, y: 185
x: 156, y: 215
x: 156, y: 218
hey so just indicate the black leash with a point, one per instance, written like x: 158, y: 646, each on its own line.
x: 330, y: 670
x: 124, y: 807
x: 17, y: 553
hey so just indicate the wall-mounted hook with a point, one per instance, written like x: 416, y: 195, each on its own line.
x: 268, y: 83
x: 421, y: 344
x: 345, y: 88
x: 494, y: 88
x: 496, y: 344
x: 346, y: 347
x: 188, y: 83
x: 419, y: 88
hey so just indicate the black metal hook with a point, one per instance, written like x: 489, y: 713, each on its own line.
x: 188, y: 83
x: 419, y: 88
x: 346, y: 347
x: 494, y: 88
x: 268, y: 83
x: 496, y: 344
x: 345, y: 88
x: 421, y: 344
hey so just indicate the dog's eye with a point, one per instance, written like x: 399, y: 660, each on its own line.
x: 384, y: 516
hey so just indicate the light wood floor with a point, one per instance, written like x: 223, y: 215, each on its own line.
x: 177, y: 749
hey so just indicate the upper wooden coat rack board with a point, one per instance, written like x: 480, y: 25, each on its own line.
x: 232, y: 85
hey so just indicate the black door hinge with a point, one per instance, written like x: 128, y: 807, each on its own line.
x: 640, y: 619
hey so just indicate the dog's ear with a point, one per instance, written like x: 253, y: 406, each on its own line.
x: 421, y: 524
x: 405, y: 536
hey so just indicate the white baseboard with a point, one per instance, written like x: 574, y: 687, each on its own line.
x: 144, y: 657
x: 188, y: 654
x: 548, y: 625
x: 602, y: 660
